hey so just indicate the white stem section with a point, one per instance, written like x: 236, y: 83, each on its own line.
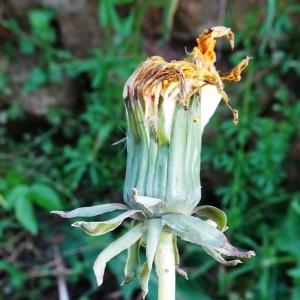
x: 165, y: 267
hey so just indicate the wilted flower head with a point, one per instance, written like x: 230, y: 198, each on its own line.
x: 167, y: 106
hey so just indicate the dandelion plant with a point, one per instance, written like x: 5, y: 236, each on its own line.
x: 167, y: 105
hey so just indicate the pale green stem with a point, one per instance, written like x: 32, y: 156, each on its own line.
x: 165, y: 267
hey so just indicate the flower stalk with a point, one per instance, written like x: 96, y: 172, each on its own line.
x: 165, y: 267
x: 168, y: 105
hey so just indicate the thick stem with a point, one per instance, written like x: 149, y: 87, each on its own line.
x: 165, y: 267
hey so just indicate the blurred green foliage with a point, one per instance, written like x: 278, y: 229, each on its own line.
x: 252, y: 170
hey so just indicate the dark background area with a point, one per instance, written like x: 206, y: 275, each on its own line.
x: 63, y: 64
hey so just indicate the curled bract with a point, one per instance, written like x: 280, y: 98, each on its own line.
x: 206, y: 229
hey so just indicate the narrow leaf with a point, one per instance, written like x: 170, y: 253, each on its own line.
x: 179, y: 271
x: 144, y: 276
x: 177, y: 257
x: 99, y: 228
x: 91, y: 211
x: 45, y: 197
x: 215, y: 214
x: 132, y: 262
x: 168, y: 18
x: 219, y: 258
x: 154, y: 231
x: 25, y: 214
x: 115, y: 248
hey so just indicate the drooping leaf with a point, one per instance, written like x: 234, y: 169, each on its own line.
x: 144, y: 276
x: 177, y: 257
x: 99, y: 228
x: 45, y: 197
x: 194, y: 230
x: 154, y: 231
x: 132, y: 262
x: 116, y: 247
x: 219, y: 258
x: 91, y: 211
x: 179, y: 270
x: 215, y: 214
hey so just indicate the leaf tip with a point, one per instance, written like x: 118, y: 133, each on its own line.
x: 144, y: 294
x: 58, y: 212
x: 77, y: 224
x: 125, y: 281
x: 233, y: 263
x: 250, y: 253
x: 182, y: 273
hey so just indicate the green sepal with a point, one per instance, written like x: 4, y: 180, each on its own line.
x: 132, y: 262
x: 153, y: 235
x: 154, y: 230
x: 144, y: 276
x: 149, y: 205
x: 219, y: 258
x: 200, y: 232
x: 213, y: 213
x: 176, y: 252
x: 115, y: 248
x: 91, y: 211
x: 179, y: 271
x: 99, y: 228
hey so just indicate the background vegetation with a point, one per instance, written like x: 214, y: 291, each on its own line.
x: 60, y: 119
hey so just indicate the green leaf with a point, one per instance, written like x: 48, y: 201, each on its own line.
x: 91, y: 211
x: 168, y: 18
x: 25, y: 213
x: 26, y: 47
x: 103, y: 13
x: 3, y: 202
x: 15, y: 194
x: 215, y: 214
x: 17, y: 277
x: 36, y: 79
x: 294, y: 272
x: 99, y: 228
x: 45, y: 197
x: 41, y: 29
x: 116, y: 247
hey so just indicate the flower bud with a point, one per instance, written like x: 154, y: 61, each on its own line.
x: 167, y: 106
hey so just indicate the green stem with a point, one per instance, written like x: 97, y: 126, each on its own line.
x: 165, y: 267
